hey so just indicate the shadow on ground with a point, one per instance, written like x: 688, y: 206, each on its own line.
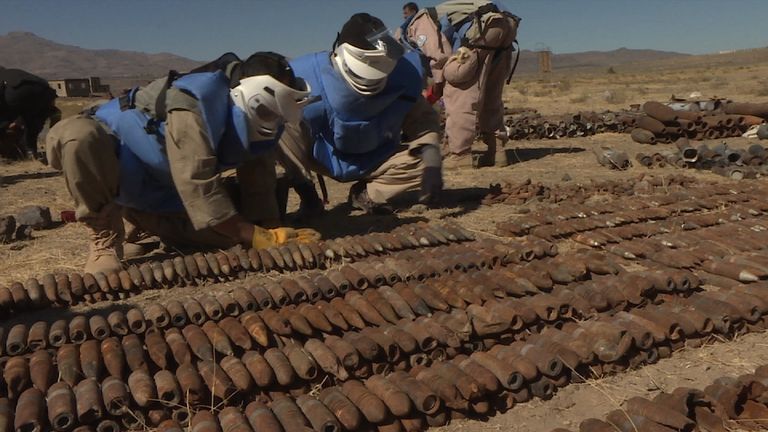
x: 520, y: 155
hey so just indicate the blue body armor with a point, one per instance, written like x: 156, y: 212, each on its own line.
x: 145, y: 173
x: 354, y: 134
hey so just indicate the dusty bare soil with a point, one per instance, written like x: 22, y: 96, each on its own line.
x: 64, y: 248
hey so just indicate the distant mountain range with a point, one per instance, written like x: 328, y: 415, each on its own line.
x: 53, y: 60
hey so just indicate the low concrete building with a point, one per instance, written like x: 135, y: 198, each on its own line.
x: 79, y: 87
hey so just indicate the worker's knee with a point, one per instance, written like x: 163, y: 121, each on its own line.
x: 76, y: 139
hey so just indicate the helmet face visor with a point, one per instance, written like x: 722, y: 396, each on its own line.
x: 269, y: 103
x: 385, y: 40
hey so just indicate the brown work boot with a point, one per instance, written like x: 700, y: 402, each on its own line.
x: 107, y: 234
x: 494, y: 155
x: 457, y: 161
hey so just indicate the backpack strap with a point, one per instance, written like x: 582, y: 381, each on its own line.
x: 161, y: 113
x: 514, y: 65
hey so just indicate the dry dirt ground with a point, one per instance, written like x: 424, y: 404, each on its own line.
x: 568, y: 160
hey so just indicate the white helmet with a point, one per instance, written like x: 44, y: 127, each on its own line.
x: 366, y: 70
x: 268, y: 103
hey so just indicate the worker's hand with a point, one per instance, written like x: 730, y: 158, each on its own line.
x: 264, y: 238
x: 431, y: 184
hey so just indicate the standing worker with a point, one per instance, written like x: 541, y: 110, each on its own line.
x: 26, y: 103
x: 480, y: 36
x: 156, y: 155
x: 409, y: 10
x: 370, y: 126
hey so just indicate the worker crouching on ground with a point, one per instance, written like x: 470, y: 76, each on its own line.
x: 155, y: 157
x: 371, y: 125
x: 470, y: 46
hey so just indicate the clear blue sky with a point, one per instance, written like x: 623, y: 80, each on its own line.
x: 202, y: 29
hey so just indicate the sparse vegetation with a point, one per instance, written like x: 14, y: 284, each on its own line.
x: 611, y: 70
x: 579, y: 99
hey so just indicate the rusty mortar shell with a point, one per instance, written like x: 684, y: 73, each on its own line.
x: 339, y: 281
x: 30, y: 412
x: 367, y: 347
x: 211, y: 306
x: 423, y: 398
x: 36, y: 293
x: 262, y: 418
x: 216, y: 380
x: 218, y: 338
x: 349, y: 314
x: 195, y: 311
x: 142, y: 387
x: 236, y: 333
x: 311, y: 290
x: 658, y: 413
x: 136, y: 321
x: 344, y: 351
x: 88, y: 400
x: 244, y: 299
x: 43, y: 372
x: 397, y: 302
x: 319, y: 416
x: 133, y: 348
x: 315, y: 317
x: 259, y: 368
x: 98, y: 327
x: 90, y: 359
x: 289, y: 414
x: 263, y: 298
x: 281, y: 365
x: 62, y: 292
x: 383, y: 307
x: 397, y: 401
x: 364, y: 308
x: 333, y: 316
x: 61, y: 407
x: 267, y: 261
x: 256, y: 328
x: 49, y: 288
x: 444, y: 388
x: 296, y: 321
x: 16, y: 376
x: 204, y: 421
x: 419, y: 331
x: 118, y: 323
x: 278, y: 294
x: 344, y: 410
x: 78, y: 329
x: 37, y: 338
x: 238, y: 373
x: 386, y: 343
x: 372, y: 408
x: 510, y: 377
x: 168, y: 389
x: 198, y: 342
x: 16, y: 342
x: 213, y: 265
x: 178, y: 346
x: 228, y: 304
x: 302, y: 363
x: 295, y: 294
x: 115, y: 396
x: 68, y: 362
x: 326, y: 359
x: 414, y: 301
x: 431, y: 297
x: 191, y: 384
x: 113, y: 356
x: 276, y: 323
x: 157, y: 348
x: 157, y: 316
x: 176, y: 313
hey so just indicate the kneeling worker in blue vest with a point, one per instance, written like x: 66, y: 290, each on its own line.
x: 155, y: 157
x: 370, y: 125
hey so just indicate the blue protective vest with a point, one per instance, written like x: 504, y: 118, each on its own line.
x: 145, y: 173
x: 354, y: 134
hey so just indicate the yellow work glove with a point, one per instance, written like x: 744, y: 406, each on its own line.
x: 264, y: 238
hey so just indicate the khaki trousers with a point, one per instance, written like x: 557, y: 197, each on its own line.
x: 398, y: 174
x: 87, y: 156
x: 476, y: 106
